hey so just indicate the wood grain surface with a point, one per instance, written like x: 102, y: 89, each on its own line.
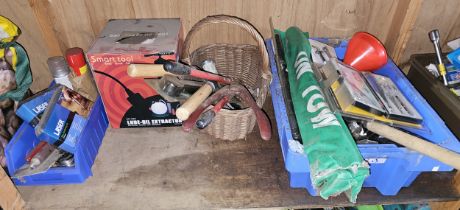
x: 50, y: 27
x: 166, y: 168
x: 10, y: 199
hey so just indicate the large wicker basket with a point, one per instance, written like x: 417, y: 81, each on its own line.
x: 245, y: 63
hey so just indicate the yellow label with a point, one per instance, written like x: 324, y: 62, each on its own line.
x: 83, y: 69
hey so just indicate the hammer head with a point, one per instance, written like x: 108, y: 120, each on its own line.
x: 434, y: 35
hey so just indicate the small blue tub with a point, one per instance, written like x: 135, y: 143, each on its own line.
x: 87, y: 148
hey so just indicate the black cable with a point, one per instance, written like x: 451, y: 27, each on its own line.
x: 128, y: 91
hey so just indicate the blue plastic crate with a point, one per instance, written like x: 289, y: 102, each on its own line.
x: 391, y: 167
x: 87, y: 148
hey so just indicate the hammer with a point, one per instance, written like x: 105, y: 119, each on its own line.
x: 230, y: 91
x: 174, y: 68
x: 184, y: 111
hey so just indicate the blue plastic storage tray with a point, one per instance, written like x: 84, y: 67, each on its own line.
x: 391, y: 167
x: 87, y: 148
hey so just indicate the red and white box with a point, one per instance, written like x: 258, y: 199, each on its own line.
x: 128, y: 101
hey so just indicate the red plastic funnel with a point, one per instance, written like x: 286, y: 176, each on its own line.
x: 365, y: 52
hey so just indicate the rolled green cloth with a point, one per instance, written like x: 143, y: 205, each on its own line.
x: 336, y: 165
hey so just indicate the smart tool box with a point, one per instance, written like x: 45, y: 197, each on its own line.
x: 86, y: 149
x: 128, y: 101
x: 391, y: 167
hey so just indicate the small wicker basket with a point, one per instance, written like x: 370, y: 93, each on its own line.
x: 248, y: 64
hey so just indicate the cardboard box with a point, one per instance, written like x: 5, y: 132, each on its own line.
x: 130, y: 102
x: 64, y: 119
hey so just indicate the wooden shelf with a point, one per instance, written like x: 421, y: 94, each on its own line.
x: 165, y: 168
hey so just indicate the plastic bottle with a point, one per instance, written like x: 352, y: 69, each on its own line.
x: 76, y: 60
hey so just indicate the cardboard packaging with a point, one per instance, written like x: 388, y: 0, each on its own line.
x: 31, y: 109
x: 131, y: 102
x: 64, y: 119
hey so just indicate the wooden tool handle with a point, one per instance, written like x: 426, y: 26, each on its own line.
x: 427, y: 148
x: 184, y: 111
x: 146, y: 70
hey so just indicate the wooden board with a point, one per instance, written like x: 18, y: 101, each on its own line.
x: 453, y: 205
x: 9, y: 195
x: 165, y: 168
x: 433, y: 14
x: 53, y: 26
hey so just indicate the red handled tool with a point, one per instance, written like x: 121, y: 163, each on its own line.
x: 243, y: 94
x: 208, y: 115
x: 174, y: 68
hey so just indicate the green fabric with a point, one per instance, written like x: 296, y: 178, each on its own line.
x: 336, y: 164
x: 22, y: 73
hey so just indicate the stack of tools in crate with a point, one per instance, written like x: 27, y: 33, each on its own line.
x: 63, y: 125
x: 347, y: 117
x: 212, y: 89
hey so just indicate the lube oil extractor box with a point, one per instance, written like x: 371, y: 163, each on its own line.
x: 129, y: 101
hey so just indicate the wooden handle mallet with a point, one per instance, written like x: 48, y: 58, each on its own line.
x: 409, y: 141
x: 146, y: 70
x: 190, y: 105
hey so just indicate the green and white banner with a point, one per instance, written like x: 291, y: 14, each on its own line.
x: 336, y: 164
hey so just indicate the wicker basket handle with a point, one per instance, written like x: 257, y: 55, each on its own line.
x: 266, y: 74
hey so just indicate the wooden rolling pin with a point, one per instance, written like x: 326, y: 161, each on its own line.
x: 190, y: 105
x: 425, y: 147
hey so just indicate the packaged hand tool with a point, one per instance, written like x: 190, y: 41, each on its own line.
x: 59, y: 125
x: 453, y: 77
x: 31, y: 109
x: 353, y: 90
x: 454, y: 58
x: 395, y: 103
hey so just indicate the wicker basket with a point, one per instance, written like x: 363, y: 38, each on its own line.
x: 245, y: 63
